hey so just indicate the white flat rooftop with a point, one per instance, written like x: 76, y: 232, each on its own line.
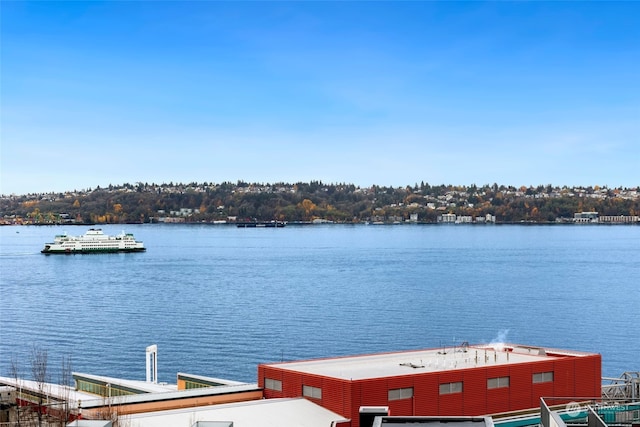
x: 57, y: 391
x: 142, y: 386
x: 297, y: 412
x: 420, y: 361
x: 150, y: 392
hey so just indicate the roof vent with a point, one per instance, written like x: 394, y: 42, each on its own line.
x: 412, y: 365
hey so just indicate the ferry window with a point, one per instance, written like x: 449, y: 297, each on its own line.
x: 499, y: 382
x: 273, y: 384
x: 401, y: 393
x: 543, y: 377
x: 450, y: 388
x: 313, y: 392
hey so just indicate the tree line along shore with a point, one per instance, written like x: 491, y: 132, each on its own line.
x: 316, y: 201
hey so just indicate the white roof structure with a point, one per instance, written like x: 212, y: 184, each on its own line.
x: 151, y: 392
x: 142, y: 386
x: 90, y: 423
x: 53, y: 390
x: 420, y: 361
x: 297, y: 412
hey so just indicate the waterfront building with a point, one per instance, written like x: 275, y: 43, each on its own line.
x: 448, y: 218
x: 460, y: 381
x: 464, y: 219
x: 585, y: 217
x: 456, y: 381
x: 619, y: 219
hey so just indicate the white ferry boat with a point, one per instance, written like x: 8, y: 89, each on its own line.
x: 93, y: 241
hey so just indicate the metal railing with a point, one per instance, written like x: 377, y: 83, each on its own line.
x: 595, y: 413
x: 627, y: 387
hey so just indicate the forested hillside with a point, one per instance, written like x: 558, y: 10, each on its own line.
x: 208, y: 202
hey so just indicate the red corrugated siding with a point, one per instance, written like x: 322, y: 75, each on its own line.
x: 374, y: 392
x: 273, y: 373
x: 347, y: 398
x: 563, y: 380
x: 597, y: 374
x: 541, y: 389
x: 520, y: 386
x: 497, y: 371
x: 450, y: 404
x: 450, y: 377
x: 356, y: 402
x: 402, y: 407
x: 587, y: 376
x: 335, y: 394
x: 475, y: 392
x: 291, y: 384
x: 573, y: 376
x: 497, y: 399
x: 425, y: 388
x: 261, y: 375
x: 400, y: 382
x: 313, y: 380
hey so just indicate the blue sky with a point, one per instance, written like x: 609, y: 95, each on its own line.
x: 385, y: 92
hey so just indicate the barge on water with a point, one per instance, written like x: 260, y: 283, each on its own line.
x: 257, y: 224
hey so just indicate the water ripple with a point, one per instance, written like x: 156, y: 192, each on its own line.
x: 220, y: 300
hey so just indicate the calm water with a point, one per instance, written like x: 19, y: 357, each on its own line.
x: 218, y: 300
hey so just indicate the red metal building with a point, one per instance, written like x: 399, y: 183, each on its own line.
x: 460, y: 381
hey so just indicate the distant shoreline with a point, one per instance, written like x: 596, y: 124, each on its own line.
x: 301, y: 224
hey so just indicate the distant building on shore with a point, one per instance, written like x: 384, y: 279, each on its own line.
x: 619, y: 219
x: 585, y: 217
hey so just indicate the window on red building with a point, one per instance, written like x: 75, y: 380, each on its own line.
x: 542, y: 377
x: 499, y: 382
x: 313, y: 392
x: 450, y: 388
x: 401, y: 393
x: 272, y: 384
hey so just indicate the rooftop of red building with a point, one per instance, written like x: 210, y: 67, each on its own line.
x: 430, y: 360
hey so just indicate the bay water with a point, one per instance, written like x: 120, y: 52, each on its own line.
x: 218, y: 300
